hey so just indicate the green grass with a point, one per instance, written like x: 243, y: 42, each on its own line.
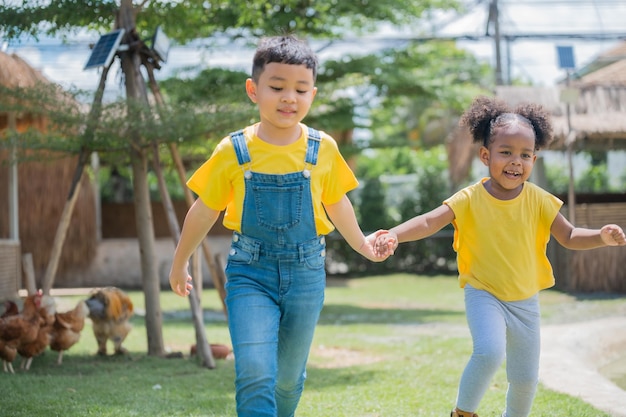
x: 386, y: 346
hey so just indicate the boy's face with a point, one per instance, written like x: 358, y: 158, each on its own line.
x: 284, y: 94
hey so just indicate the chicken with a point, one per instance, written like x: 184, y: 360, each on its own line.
x: 22, y: 328
x: 110, y: 310
x: 10, y: 309
x: 28, y: 350
x: 7, y: 352
x: 66, y: 329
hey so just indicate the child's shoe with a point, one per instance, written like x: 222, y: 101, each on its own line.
x: 458, y: 413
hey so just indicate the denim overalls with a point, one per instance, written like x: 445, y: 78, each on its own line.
x: 275, y: 289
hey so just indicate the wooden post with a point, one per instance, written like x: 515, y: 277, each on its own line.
x: 202, y: 343
x: 29, y: 273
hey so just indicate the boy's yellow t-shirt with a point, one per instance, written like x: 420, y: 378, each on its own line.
x: 219, y: 182
x: 501, y: 244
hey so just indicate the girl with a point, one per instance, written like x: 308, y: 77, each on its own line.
x: 502, y: 227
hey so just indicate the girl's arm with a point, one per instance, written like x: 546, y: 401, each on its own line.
x: 579, y: 238
x: 198, y: 222
x: 343, y: 217
x: 416, y: 228
x: 424, y: 225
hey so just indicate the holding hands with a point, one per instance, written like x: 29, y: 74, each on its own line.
x: 385, y: 243
x: 376, y: 248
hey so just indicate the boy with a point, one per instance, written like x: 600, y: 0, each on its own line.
x: 279, y: 182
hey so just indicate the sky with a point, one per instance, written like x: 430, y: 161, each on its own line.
x: 533, y: 60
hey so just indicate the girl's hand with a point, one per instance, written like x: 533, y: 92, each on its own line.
x: 613, y: 235
x: 369, y: 250
x: 386, y: 242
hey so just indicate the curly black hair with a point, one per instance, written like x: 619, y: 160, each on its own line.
x: 486, y: 114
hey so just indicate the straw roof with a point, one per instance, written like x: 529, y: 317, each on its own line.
x: 612, y: 74
x: 609, y: 68
x: 15, y: 72
x: 598, y: 116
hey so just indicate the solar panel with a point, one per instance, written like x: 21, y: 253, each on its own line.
x: 160, y: 44
x: 105, y: 49
x: 566, y: 57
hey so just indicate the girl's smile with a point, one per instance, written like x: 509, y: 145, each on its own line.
x: 510, y: 156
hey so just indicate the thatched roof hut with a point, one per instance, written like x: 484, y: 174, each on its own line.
x: 598, y: 117
x: 597, y: 103
x: 43, y: 187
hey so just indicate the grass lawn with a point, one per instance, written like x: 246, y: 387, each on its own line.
x: 387, y: 346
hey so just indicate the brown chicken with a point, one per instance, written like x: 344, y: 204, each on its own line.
x: 66, y: 329
x: 7, y: 352
x: 21, y: 328
x: 10, y: 309
x: 28, y: 350
x: 110, y: 310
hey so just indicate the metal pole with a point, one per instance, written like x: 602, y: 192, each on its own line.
x: 497, y: 40
x: 14, y: 218
x: 571, y: 138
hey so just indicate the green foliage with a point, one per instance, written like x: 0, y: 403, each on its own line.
x: 409, y: 94
x: 192, y: 19
x: 423, y: 89
x: 593, y: 180
x: 399, y: 183
x: 352, y: 89
x: 557, y: 177
x: 373, y: 209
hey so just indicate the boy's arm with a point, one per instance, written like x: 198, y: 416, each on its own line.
x: 343, y: 217
x: 198, y: 222
x: 579, y: 238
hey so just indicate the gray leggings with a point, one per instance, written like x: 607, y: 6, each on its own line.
x: 501, y: 329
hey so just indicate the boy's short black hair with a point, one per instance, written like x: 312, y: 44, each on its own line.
x: 284, y: 49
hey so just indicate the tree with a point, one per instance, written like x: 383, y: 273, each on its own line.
x: 183, y: 21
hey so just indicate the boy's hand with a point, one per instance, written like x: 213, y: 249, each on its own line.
x: 180, y: 281
x: 386, y: 242
x: 613, y: 235
x: 368, y: 248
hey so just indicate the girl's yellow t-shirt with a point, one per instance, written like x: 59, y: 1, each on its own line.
x: 501, y: 244
x: 219, y: 182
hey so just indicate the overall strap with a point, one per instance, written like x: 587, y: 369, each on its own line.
x: 241, y: 149
x: 313, y: 145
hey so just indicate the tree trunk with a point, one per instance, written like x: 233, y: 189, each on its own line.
x: 137, y: 99
x: 202, y: 343
x: 145, y: 233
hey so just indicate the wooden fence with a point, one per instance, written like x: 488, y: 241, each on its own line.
x: 595, y: 270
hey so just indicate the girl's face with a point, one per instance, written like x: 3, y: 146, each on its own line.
x: 284, y: 94
x: 510, y: 157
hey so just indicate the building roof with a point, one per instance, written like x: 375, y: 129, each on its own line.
x: 597, y: 118
x: 611, y: 74
x: 609, y: 68
x: 15, y: 72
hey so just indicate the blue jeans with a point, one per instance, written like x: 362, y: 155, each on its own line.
x: 274, y: 297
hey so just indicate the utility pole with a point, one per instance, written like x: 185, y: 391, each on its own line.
x: 569, y: 96
x: 494, y: 18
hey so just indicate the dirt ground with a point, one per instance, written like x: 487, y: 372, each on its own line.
x: 573, y: 354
